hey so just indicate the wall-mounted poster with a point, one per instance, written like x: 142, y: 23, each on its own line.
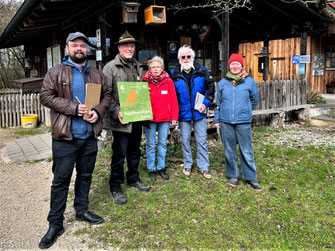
x: 134, y: 101
x: 301, y: 69
x: 318, y: 65
x: 56, y: 57
x: 172, y: 50
x: 49, y: 58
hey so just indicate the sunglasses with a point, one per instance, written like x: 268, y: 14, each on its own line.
x: 188, y: 57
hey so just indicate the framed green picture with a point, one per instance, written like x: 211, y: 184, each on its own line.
x: 135, y: 101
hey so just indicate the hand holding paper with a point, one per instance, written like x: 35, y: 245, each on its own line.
x: 199, y: 99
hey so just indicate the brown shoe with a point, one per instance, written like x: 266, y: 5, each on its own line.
x: 187, y: 171
x: 206, y: 174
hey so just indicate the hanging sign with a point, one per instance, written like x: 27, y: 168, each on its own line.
x: 98, y: 34
x: 305, y: 59
x: 295, y: 59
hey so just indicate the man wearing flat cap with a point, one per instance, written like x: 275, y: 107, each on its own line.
x: 74, y: 140
x: 126, y: 136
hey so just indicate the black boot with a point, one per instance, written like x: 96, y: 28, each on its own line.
x: 51, y: 236
x: 163, y: 174
x: 152, y: 176
x: 90, y: 218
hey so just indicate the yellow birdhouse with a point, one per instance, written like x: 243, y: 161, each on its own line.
x: 155, y: 15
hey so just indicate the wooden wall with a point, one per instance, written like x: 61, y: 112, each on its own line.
x: 282, y: 51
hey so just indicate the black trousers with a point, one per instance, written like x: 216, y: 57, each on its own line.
x: 125, y: 145
x: 66, y: 154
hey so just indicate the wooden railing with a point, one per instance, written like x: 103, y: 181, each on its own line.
x: 12, y: 106
x: 281, y: 93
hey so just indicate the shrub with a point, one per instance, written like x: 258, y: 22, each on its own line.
x: 314, y: 97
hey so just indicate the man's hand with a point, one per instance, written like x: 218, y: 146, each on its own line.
x: 202, y: 108
x: 93, y: 117
x: 217, y: 125
x: 173, y: 122
x: 81, y: 110
x: 120, y: 119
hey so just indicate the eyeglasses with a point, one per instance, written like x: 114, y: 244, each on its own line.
x: 188, y: 57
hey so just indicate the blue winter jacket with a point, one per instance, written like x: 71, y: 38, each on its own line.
x: 202, y: 82
x: 234, y: 105
x: 79, y: 127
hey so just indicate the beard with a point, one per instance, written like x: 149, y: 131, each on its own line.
x: 76, y: 59
x: 187, y: 66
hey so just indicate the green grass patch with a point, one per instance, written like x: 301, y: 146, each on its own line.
x: 295, y: 211
x: 27, y: 132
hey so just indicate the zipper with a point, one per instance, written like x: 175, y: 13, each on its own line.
x: 233, y: 113
x: 86, y: 126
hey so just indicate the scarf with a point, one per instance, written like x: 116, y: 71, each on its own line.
x: 156, y: 80
x: 236, y: 79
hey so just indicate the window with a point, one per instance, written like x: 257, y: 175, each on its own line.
x: 330, y: 58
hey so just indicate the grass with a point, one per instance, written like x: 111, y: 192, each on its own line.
x: 295, y: 211
x: 31, y: 131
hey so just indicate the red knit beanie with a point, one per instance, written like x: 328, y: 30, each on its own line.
x: 236, y: 57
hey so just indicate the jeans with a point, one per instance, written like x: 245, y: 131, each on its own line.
x: 150, y: 134
x: 200, y: 132
x: 66, y: 154
x: 231, y: 135
x: 125, y: 145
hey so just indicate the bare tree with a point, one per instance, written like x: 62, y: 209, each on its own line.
x: 217, y: 6
x: 11, y: 59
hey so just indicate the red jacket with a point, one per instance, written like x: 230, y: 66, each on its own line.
x: 163, y: 100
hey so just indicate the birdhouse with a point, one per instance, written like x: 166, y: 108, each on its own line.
x: 129, y: 12
x: 155, y: 15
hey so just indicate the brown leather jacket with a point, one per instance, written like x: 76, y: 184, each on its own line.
x: 56, y: 94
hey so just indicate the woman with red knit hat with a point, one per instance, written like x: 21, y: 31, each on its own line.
x: 237, y: 96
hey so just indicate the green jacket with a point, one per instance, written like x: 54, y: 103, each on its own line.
x: 115, y: 71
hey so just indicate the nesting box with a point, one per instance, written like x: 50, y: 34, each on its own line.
x: 155, y: 15
x: 129, y: 12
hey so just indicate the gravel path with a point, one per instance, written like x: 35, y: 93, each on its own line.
x: 25, y: 189
x: 24, y: 205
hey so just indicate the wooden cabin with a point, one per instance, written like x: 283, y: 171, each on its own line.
x: 43, y: 25
x: 318, y: 65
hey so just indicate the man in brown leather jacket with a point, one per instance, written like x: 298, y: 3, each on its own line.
x: 74, y: 140
x: 126, y: 136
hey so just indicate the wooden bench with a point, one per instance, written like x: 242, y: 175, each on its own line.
x: 276, y: 117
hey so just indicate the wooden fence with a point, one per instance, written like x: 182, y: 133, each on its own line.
x: 281, y: 93
x: 272, y: 94
x: 12, y: 106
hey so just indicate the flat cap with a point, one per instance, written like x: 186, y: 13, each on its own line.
x: 75, y: 35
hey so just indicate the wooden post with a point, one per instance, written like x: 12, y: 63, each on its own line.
x: 225, y: 43
x: 303, y: 49
x: 2, y: 104
x: 266, y: 60
x: 101, y: 25
x: 223, y: 23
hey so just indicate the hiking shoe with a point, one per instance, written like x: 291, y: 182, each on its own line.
x: 140, y: 186
x: 205, y: 174
x: 254, y: 185
x: 187, y: 171
x: 152, y: 176
x: 163, y: 174
x: 232, y: 182
x: 119, y: 198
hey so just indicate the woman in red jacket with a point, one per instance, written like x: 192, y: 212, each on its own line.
x: 164, y: 109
